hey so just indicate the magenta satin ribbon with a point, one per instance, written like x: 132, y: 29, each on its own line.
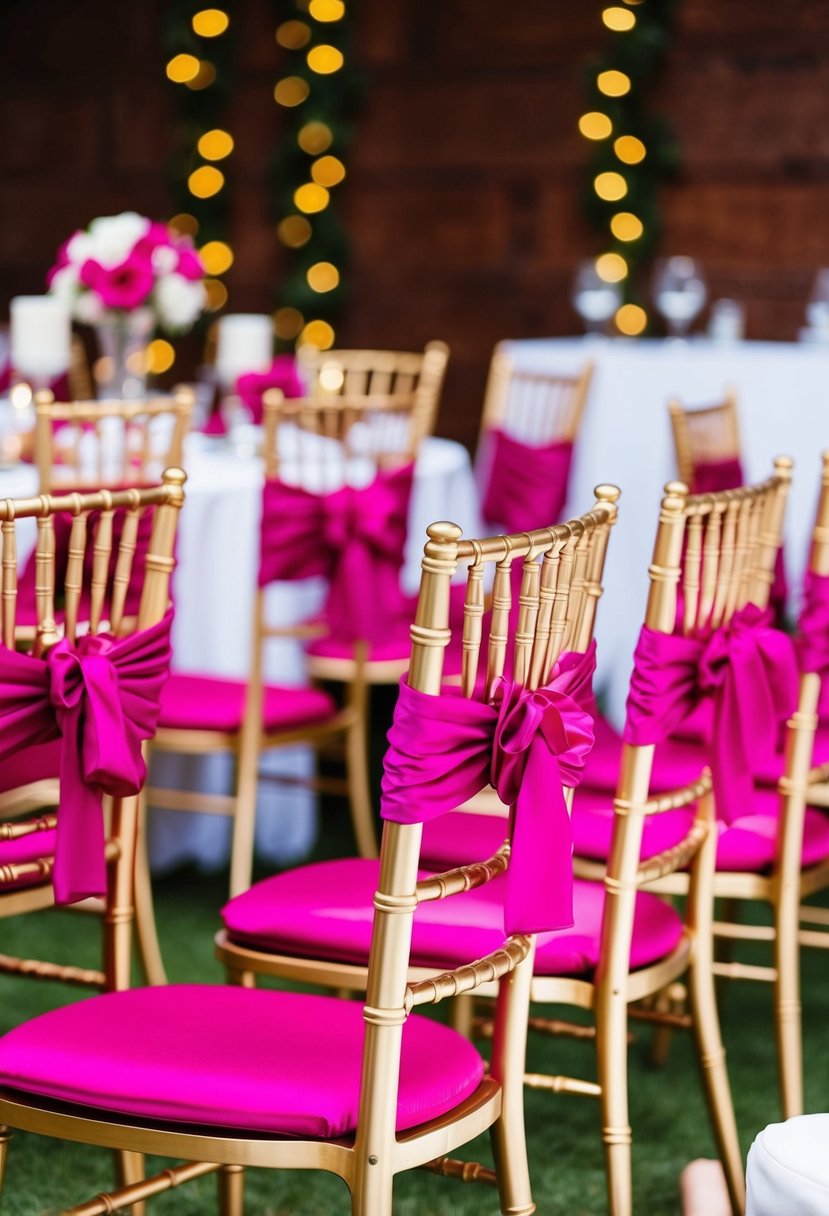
x: 750, y: 671
x: 102, y: 698
x: 812, y: 640
x: 528, y: 745
x: 354, y: 537
x: 282, y: 374
x: 527, y: 485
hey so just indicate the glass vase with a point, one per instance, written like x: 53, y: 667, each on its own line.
x: 123, y: 337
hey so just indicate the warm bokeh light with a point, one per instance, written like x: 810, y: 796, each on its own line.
x: 183, y: 68
x: 324, y: 59
x: 293, y: 34
x: 310, y: 197
x: 626, y: 226
x: 206, y: 181
x: 331, y: 377
x: 216, y: 256
x: 629, y: 149
x: 291, y: 91
x: 294, y: 231
x: 184, y: 223
x: 613, y: 83
x: 631, y: 320
x: 610, y: 186
x: 315, y: 137
x: 203, y: 78
x: 595, y: 125
x: 210, y: 22
x: 611, y: 267
x: 21, y: 395
x: 619, y: 19
x: 317, y: 333
x: 328, y: 171
x: 215, y: 144
x: 160, y: 356
x: 327, y: 10
x: 322, y: 276
x: 216, y: 294
x: 287, y: 322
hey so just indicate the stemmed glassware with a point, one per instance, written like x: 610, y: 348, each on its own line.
x: 679, y: 292
x: 595, y: 300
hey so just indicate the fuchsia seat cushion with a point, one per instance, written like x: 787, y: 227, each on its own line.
x: 770, y: 770
x: 676, y: 762
x: 257, y: 1060
x: 325, y: 911
x: 194, y: 702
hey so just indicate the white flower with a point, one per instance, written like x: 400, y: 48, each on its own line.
x: 178, y: 301
x: 80, y: 248
x: 164, y: 259
x: 88, y: 308
x: 112, y: 237
x: 64, y: 285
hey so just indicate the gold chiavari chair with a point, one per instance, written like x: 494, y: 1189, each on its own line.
x: 529, y: 425
x: 372, y: 373
x: 314, y: 523
x: 628, y: 944
x: 27, y: 846
x: 79, y: 443
x: 316, y: 1082
x: 708, y: 435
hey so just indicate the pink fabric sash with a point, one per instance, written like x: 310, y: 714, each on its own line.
x: 750, y: 671
x: 812, y: 641
x: 282, y: 374
x: 102, y: 698
x: 354, y: 537
x: 527, y: 485
x: 528, y: 745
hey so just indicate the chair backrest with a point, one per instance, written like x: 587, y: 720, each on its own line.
x: 537, y: 407
x: 353, y: 374
x: 141, y: 656
x: 85, y: 443
x: 704, y: 435
x: 556, y: 611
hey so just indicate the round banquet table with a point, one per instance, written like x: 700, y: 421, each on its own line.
x: 217, y: 560
x: 783, y: 403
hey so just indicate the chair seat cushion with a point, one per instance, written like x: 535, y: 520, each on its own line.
x: 279, y: 1062
x: 787, y: 1170
x: 746, y: 844
x: 770, y: 768
x: 325, y: 911
x: 676, y: 761
x: 196, y: 702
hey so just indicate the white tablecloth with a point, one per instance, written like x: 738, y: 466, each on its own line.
x: 214, y: 587
x: 783, y: 402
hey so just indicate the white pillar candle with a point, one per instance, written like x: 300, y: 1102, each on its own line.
x: 41, y: 333
x: 244, y: 344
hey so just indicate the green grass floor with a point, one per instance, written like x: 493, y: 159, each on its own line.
x: 669, y: 1120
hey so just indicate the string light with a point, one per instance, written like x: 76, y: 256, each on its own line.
x: 293, y: 35
x: 325, y: 59
x: 629, y: 149
x: 183, y: 68
x: 595, y: 125
x: 317, y: 333
x: 619, y: 19
x: 315, y: 137
x: 203, y: 79
x: 613, y: 83
x: 626, y: 226
x: 322, y: 276
x: 327, y: 10
x: 205, y: 181
x: 160, y: 356
x: 215, y: 145
x: 291, y: 91
x: 611, y: 267
x: 294, y: 231
x: 631, y: 320
x: 217, y: 257
x: 311, y: 198
x: 287, y: 323
x: 210, y: 22
x: 610, y: 186
x: 328, y: 171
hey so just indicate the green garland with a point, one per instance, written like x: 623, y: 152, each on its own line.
x: 318, y: 106
x: 201, y: 103
x: 637, y: 52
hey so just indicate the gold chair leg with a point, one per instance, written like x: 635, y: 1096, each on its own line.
x: 129, y: 1168
x: 356, y: 763
x: 507, y: 1134
x: 244, y: 823
x: 461, y: 1015
x: 711, y: 1053
x: 787, y: 1007
x: 231, y: 1180
x: 149, y: 950
x: 617, y: 1137
x: 5, y: 1138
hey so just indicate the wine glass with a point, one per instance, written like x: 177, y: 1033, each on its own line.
x: 594, y: 299
x: 679, y: 292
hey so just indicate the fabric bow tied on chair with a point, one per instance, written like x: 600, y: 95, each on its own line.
x: 528, y: 745
x: 364, y: 535
x: 102, y: 697
x: 749, y: 670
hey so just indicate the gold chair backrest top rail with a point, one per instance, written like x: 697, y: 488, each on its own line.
x: 704, y: 433
x: 537, y: 406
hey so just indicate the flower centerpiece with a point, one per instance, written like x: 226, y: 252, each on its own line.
x: 127, y: 275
